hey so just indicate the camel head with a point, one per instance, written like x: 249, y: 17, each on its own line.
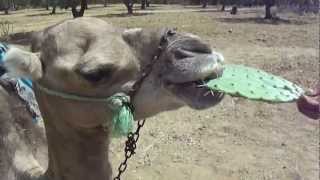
x: 89, y: 57
x: 185, y: 62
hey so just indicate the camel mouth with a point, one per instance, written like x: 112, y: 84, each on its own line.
x: 195, y: 95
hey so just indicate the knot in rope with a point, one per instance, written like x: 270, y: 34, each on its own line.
x: 122, y: 119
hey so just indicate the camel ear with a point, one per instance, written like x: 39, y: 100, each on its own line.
x: 131, y: 35
x: 21, y: 63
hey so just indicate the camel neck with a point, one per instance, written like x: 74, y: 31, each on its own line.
x: 75, y: 152
x: 83, y: 157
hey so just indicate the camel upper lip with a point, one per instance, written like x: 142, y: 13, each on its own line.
x: 213, y: 75
x: 200, y: 67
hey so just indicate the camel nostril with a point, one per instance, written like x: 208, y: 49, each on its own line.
x: 181, y: 54
x: 220, y: 58
x: 95, y: 75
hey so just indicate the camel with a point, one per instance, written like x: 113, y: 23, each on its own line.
x: 89, y: 57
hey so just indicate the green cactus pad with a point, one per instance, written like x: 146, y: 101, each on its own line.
x: 238, y: 80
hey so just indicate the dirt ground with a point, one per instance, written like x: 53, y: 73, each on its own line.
x: 237, y: 139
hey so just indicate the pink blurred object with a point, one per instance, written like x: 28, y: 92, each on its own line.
x: 309, y: 103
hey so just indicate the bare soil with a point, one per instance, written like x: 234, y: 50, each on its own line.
x: 237, y: 139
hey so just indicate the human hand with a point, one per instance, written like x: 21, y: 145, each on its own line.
x: 309, y: 103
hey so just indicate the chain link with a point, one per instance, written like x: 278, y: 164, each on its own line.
x: 129, y: 150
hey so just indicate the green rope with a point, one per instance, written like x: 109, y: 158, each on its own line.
x: 119, y: 103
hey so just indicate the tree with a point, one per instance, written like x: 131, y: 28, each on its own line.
x: 105, y: 3
x: 269, y: 4
x: 53, y: 3
x: 83, y: 7
x: 223, y: 8
x: 143, y: 4
x: 47, y: 4
x: 234, y: 10
x: 204, y: 3
x: 223, y: 2
x: 129, y: 5
x: 53, y: 9
x: 7, y: 7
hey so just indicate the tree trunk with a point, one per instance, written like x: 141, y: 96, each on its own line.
x: 7, y: 7
x: 269, y: 4
x: 47, y: 4
x: 79, y: 13
x: 130, y: 10
x: 204, y: 3
x: 268, y: 12
x: 316, y: 6
x: 148, y: 3
x: 143, y: 4
x: 13, y: 5
x: 105, y: 3
x: 223, y: 8
x: 53, y: 9
x: 234, y: 10
x: 129, y: 5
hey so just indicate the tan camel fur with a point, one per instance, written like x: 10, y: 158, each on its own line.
x: 89, y: 57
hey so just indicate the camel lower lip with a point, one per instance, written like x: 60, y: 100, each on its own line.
x: 195, y: 95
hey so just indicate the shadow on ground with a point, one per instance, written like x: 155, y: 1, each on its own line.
x: 147, y: 9
x: 258, y: 20
x: 121, y: 15
x: 210, y: 10
x: 193, y: 7
x: 151, y: 7
x: 46, y: 14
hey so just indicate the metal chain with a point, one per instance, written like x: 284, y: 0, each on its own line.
x: 129, y: 150
x: 132, y: 138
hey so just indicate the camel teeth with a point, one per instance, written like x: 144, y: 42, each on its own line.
x: 206, y: 93
x: 201, y: 85
x: 212, y: 93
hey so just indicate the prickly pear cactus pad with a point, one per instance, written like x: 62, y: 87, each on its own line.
x: 238, y: 80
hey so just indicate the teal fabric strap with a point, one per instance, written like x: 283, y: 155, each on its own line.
x: 3, y: 50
